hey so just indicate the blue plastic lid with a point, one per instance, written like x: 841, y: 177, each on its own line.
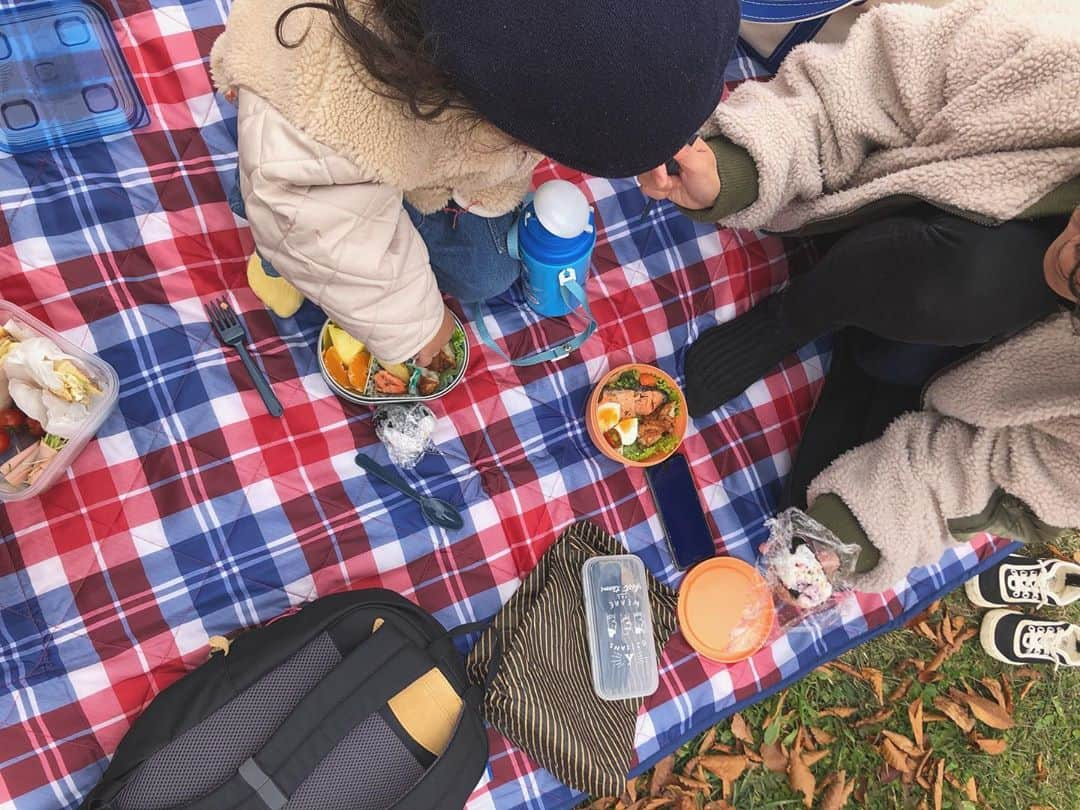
x: 63, y: 78
x: 540, y: 243
x: 790, y: 11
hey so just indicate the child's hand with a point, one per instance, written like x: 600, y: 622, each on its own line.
x: 697, y: 184
x: 442, y: 337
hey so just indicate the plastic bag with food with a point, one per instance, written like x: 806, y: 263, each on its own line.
x: 808, y: 568
x: 406, y: 431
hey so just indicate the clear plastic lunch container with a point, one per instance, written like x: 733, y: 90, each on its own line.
x: 618, y: 617
x: 63, y: 77
x: 103, y: 375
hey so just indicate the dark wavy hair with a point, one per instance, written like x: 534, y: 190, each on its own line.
x: 401, y: 60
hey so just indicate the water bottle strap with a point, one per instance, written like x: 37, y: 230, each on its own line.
x: 574, y: 296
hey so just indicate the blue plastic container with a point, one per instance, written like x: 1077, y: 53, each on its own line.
x: 550, y: 261
x: 63, y: 78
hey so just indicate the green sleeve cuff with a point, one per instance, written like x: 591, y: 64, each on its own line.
x: 832, y: 513
x: 738, y: 182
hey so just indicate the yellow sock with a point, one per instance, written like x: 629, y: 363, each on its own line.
x: 279, y: 296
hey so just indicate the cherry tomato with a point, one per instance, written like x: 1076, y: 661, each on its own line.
x: 12, y: 418
x: 35, y: 428
x: 647, y: 380
x: 5, y: 441
x: 613, y: 439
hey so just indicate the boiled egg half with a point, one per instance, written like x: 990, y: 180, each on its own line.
x: 627, y: 430
x: 608, y: 415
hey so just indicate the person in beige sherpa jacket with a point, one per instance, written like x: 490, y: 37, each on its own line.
x: 939, y: 149
x: 385, y: 144
x: 995, y: 448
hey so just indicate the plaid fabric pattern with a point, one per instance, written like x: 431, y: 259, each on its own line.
x: 194, y: 513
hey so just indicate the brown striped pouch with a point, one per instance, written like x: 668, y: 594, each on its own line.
x: 541, y: 695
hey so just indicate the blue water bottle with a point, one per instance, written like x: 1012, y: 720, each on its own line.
x: 554, y: 239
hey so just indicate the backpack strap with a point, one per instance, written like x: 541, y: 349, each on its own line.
x: 355, y: 689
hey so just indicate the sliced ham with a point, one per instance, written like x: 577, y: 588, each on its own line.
x: 17, y: 469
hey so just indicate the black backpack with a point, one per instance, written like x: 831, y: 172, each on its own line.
x: 308, y: 713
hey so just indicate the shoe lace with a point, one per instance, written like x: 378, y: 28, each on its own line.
x: 1030, y: 584
x: 1046, y: 641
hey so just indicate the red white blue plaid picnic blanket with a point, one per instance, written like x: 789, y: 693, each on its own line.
x: 195, y: 513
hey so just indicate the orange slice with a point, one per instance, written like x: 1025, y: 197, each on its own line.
x: 335, y: 368
x: 358, y: 370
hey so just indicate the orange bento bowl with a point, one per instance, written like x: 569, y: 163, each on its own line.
x: 594, y: 428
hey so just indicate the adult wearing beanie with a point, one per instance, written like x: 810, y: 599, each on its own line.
x: 384, y: 145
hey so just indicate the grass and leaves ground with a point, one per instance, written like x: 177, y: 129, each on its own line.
x: 918, y: 718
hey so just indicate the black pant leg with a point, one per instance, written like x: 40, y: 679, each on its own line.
x: 927, y: 277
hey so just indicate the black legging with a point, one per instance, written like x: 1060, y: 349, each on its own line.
x: 924, y: 278
x: 927, y: 277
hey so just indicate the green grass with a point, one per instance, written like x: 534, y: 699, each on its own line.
x: 1047, y: 722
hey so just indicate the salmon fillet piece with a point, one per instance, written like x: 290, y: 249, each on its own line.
x: 634, y: 403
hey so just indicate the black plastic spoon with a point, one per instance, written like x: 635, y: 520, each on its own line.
x: 437, y: 511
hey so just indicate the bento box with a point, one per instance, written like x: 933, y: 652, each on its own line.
x: 54, y: 395
x: 636, y: 415
x: 357, y: 377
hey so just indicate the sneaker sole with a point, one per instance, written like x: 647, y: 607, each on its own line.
x: 986, y: 635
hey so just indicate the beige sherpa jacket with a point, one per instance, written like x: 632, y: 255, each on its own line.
x: 1006, y: 420
x: 325, y: 164
x: 972, y: 107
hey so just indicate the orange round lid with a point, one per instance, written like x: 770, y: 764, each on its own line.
x: 725, y: 609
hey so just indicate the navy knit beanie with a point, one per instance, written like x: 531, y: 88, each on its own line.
x: 609, y: 87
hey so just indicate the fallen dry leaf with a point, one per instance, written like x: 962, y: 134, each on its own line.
x: 838, y: 794
x: 694, y: 784
x: 935, y: 663
x: 938, y: 786
x: 1043, y: 806
x: 955, y: 712
x: 915, y: 716
x: 630, y: 795
x: 815, y: 757
x: 993, y: 686
x: 880, y: 717
x: 901, y: 691
x: 989, y: 746
x: 877, y: 682
x: 603, y: 804
x: 720, y: 804
x: 895, y: 757
x: 923, y: 762
x: 774, y: 756
x: 1007, y: 690
x: 924, y: 629
x: 966, y: 636
x: 934, y: 717
x: 725, y: 768
x: 903, y: 743
x: 654, y: 804
x: 821, y: 736
x: 847, y: 669
x: 985, y: 710
x: 838, y: 711
x: 947, y: 631
x: 741, y: 730
x: 971, y: 790
x: 707, y: 741
x: 1040, y: 768
x: 800, y: 778
x: 661, y: 775
x: 1027, y: 688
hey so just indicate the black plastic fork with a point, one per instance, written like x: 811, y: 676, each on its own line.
x: 230, y: 330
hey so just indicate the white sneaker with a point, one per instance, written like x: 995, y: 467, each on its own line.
x: 1026, y: 581
x: 1016, y: 638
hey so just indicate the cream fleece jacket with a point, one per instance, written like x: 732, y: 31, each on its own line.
x: 1007, y: 419
x: 325, y: 164
x: 973, y: 107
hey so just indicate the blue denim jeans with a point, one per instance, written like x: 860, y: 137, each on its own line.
x: 468, y: 253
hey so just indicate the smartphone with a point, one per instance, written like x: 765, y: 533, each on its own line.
x: 679, y: 507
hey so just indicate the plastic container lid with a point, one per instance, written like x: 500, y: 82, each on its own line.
x: 101, y: 372
x: 619, y: 621
x: 725, y: 610
x: 63, y: 77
